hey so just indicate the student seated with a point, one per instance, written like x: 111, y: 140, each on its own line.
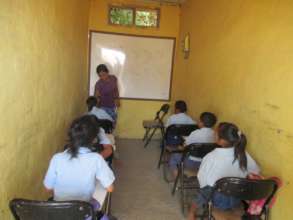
x: 72, y: 174
x: 102, y: 139
x: 180, y: 116
x: 229, y: 160
x: 205, y: 134
x: 93, y: 109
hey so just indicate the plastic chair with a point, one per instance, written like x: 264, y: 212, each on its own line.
x: 186, y: 178
x: 246, y: 190
x: 153, y: 125
x: 176, y: 131
x: 23, y: 209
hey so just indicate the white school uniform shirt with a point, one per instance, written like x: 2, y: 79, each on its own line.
x: 202, y: 135
x: 180, y: 118
x: 75, y: 178
x: 219, y: 164
x: 100, y: 114
x: 103, y: 138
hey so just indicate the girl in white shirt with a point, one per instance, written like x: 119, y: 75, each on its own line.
x: 73, y: 174
x: 229, y: 160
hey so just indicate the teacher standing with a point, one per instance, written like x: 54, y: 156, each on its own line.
x: 106, y: 91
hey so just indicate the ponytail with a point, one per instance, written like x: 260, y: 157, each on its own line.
x: 233, y: 136
x: 240, y: 153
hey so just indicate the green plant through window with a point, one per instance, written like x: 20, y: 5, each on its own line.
x: 133, y: 16
x: 146, y: 18
x: 121, y: 16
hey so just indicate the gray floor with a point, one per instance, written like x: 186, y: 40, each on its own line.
x: 140, y: 191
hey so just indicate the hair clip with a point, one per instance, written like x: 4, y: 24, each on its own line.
x: 239, y: 133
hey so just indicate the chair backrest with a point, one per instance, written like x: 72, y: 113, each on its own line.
x: 107, y: 125
x: 162, y: 112
x: 23, y: 209
x: 180, y: 129
x: 175, y: 132
x: 246, y: 189
x: 199, y: 149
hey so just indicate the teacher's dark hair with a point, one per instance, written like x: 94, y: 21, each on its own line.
x: 81, y: 133
x: 102, y: 68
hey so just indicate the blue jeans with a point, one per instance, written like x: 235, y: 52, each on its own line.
x: 219, y: 200
x: 176, y: 158
x: 112, y: 112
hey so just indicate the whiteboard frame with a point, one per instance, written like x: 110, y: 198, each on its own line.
x: 91, y: 32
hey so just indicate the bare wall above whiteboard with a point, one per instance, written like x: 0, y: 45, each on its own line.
x: 143, y: 65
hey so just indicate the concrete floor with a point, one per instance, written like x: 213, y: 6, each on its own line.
x: 140, y: 191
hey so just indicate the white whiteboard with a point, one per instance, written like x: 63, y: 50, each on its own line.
x: 142, y: 65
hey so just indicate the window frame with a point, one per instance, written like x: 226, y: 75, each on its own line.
x: 134, y: 9
x: 148, y: 10
x: 121, y: 7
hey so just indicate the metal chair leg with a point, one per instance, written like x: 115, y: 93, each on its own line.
x: 176, y: 181
x: 210, y: 216
x: 161, y: 156
x: 266, y: 213
x: 166, y: 169
x: 182, y: 188
x: 150, y: 137
x: 108, y: 205
x: 162, y: 132
x: 147, y: 131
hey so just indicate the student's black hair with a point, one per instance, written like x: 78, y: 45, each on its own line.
x: 102, y: 68
x: 234, y: 137
x: 91, y: 102
x: 81, y: 133
x: 208, y: 119
x: 181, y: 106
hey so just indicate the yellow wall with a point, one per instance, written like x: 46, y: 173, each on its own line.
x: 43, y: 86
x: 132, y: 112
x: 241, y: 68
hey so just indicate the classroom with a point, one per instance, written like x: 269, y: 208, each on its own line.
x: 229, y: 58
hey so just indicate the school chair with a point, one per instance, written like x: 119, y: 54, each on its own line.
x: 153, y: 125
x: 106, y: 207
x: 23, y: 209
x: 176, y: 133
x: 187, y: 178
x: 107, y: 125
x: 245, y: 190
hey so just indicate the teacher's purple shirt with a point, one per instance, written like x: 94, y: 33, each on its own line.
x: 108, y: 90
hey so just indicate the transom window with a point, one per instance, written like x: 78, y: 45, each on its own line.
x: 134, y: 16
